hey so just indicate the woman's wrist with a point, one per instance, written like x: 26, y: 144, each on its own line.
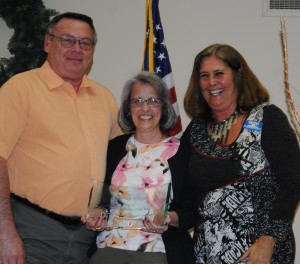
x: 270, y: 237
x: 267, y: 239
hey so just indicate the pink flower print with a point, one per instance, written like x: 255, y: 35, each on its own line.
x: 151, y: 182
x: 170, y: 150
x: 101, y: 243
x: 119, y: 176
x: 116, y: 241
x: 148, y: 166
x: 156, y: 196
x: 146, y: 236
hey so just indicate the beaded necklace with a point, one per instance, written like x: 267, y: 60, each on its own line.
x: 218, y: 131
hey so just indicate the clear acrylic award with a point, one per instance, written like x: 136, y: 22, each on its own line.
x: 130, y: 205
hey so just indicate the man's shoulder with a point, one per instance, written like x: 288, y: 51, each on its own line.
x: 21, y: 82
x: 22, y: 76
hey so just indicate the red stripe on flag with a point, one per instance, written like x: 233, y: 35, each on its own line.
x: 173, y: 96
x: 175, y: 130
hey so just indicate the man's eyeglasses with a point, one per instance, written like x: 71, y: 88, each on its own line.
x: 138, y: 102
x: 68, y: 41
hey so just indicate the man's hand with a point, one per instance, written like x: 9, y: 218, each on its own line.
x: 11, y: 250
x: 96, y: 219
x: 11, y: 245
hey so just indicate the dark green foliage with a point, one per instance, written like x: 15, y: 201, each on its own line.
x: 29, y: 19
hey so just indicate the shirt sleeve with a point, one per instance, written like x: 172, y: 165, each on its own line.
x: 281, y: 148
x: 13, y: 116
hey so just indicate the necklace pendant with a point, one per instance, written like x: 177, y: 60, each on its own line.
x: 219, y: 131
x: 137, y: 165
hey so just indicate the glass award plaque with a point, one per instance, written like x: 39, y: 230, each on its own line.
x: 130, y: 205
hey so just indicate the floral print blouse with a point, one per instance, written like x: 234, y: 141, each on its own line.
x: 140, y: 186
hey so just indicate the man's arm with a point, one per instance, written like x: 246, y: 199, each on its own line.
x: 11, y: 249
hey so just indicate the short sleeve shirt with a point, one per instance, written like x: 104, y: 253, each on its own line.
x: 54, y: 139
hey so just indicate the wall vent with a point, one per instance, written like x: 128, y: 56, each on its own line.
x: 281, y: 8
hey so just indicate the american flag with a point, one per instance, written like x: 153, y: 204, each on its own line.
x: 156, y: 58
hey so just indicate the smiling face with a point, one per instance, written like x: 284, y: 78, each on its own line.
x: 145, y: 118
x: 218, y: 87
x: 69, y: 63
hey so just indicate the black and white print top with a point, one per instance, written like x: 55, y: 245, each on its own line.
x: 238, y: 190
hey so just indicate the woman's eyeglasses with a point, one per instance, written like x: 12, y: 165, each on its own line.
x: 138, y: 102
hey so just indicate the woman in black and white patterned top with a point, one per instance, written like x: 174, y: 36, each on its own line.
x: 244, y: 161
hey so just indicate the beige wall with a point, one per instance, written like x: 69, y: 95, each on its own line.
x: 189, y: 26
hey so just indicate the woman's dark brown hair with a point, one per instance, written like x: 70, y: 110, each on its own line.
x: 250, y: 90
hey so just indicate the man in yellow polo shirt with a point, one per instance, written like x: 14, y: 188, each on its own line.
x: 55, y: 124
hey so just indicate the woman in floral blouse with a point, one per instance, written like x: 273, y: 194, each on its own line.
x: 140, y: 191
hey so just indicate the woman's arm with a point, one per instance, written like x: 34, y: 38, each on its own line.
x: 281, y: 148
x: 183, y: 210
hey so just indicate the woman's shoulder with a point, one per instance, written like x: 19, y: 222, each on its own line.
x: 274, y: 113
x: 271, y: 108
x: 189, y: 126
x: 120, y: 140
x: 267, y: 112
x: 275, y: 122
x: 194, y: 124
x: 117, y: 147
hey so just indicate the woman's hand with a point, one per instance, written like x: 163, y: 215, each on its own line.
x: 154, y: 226
x: 260, y: 252
x: 96, y: 219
